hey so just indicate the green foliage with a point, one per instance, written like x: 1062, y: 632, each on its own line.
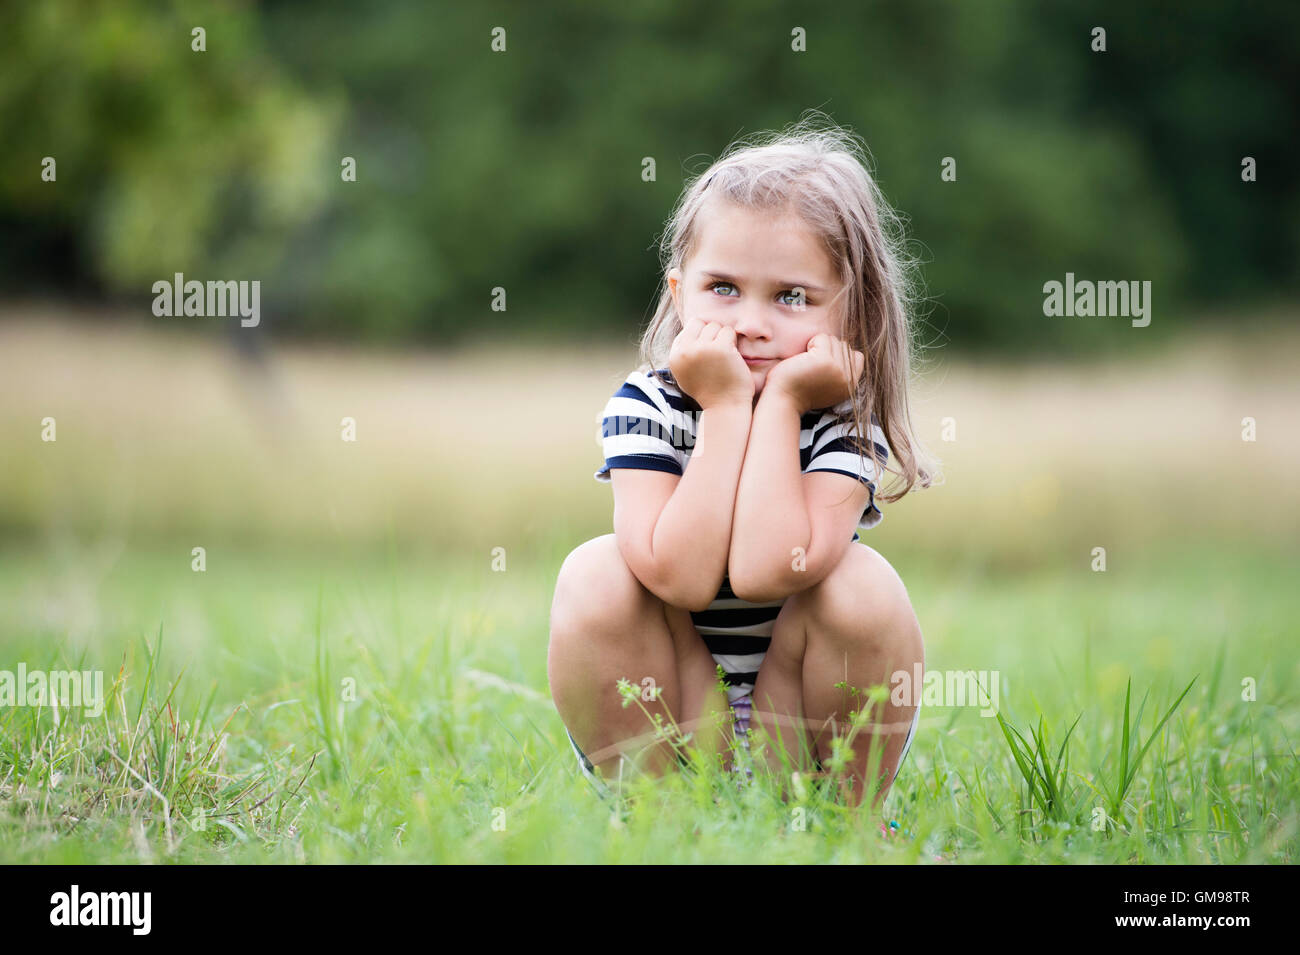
x: 1047, y: 779
x: 522, y: 169
x: 1128, y: 762
x: 225, y: 737
x: 169, y: 160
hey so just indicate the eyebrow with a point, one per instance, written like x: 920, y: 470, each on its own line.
x: 727, y: 278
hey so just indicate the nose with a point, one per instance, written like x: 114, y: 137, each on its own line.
x: 752, y: 322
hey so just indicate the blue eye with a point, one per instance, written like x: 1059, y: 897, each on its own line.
x: 791, y: 292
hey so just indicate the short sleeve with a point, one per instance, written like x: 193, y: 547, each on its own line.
x: 836, y: 448
x: 636, y: 430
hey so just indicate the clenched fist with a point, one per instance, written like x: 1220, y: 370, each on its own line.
x: 708, y: 367
x: 822, y: 376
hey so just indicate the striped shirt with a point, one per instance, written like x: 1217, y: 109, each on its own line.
x: 651, y: 425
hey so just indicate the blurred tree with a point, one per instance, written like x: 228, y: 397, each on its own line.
x: 168, y: 159
x: 521, y: 169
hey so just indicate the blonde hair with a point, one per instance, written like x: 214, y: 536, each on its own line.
x: 820, y: 172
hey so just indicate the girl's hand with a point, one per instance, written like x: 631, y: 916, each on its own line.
x: 707, y: 365
x: 820, y: 377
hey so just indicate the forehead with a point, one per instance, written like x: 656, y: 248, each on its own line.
x: 759, y: 244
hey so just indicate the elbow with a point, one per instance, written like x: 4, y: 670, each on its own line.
x: 764, y: 583
x: 665, y: 580
x: 759, y: 588
x: 776, y: 578
x: 759, y: 595
x: 696, y: 603
x: 689, y: 595
x: 683, y: 594
x: 754, y: 580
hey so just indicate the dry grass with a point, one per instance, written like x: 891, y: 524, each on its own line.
x: 166, y: 432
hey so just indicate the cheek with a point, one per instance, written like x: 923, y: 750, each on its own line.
x: 700, y: 305
x: 795, y: 346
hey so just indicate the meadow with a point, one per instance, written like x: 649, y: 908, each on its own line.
x: 358, y: 671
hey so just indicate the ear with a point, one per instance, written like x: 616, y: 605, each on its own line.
x: 674, y: 280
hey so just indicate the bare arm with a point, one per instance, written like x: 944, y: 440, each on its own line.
x: 791, y: 528
x: 675, y: 531
x: 771, y: 518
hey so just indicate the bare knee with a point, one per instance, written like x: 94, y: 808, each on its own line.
x: 596, y: 592
x: 863, y: 605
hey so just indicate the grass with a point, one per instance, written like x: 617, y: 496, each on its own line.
x: 359, y: 674
x: 399, y: 722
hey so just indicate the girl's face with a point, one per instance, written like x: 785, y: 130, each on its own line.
x: 746, y: 272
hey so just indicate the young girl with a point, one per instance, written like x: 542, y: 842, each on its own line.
x: 783, y: 325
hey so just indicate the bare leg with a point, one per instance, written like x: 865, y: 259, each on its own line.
x: 856, y: 627
x: 861, y: 631
x: 704, y: 704
x: 778, y: 694
x: 605, y: 625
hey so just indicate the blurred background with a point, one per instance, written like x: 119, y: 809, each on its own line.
x: 521, y: 170
x: 1172, y: 446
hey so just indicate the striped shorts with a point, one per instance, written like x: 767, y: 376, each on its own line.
x: 737, y: 634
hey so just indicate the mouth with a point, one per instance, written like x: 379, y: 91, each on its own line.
x: 757, y: 362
